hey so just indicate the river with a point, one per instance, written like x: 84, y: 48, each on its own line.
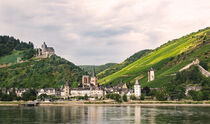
x: 102, y: 114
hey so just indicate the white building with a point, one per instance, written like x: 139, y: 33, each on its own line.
x: 47, y: 91
x: 137, y: 89
x: 65, y: 91
x: 151, y: 75
x: 82, y: 92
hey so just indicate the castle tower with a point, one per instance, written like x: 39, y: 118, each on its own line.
x: 67, y: 89
x: 93, y: 79
x: 85, y: 80
x: 151, y: 75
x: 44, y: 46
x: 137, y: 89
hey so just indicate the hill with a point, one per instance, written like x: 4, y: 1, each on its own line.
x: 112, y: 69
x: 98, y: 68
x: 166, y: 60
x: 40, y: 73
x: 33, y: 72
x: 11, y: 49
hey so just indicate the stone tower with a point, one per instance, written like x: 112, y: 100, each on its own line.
x: 151, y: 74
x: 137, y: 89
x: 67, y: 89
x: 85, y: 81
x: 93, y: 79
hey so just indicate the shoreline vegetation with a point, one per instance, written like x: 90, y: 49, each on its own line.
x: 113, y: 103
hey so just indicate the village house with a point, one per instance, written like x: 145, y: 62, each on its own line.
x: 195, y: 88
x: 48, y: 91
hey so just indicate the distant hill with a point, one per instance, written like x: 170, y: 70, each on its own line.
x: 112, y: 69
x: 33, y: 72
x: 166, y: 60
x: 98, y: 68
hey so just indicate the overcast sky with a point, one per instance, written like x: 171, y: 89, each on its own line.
x: 101, y: 31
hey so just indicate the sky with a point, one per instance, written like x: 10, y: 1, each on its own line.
x: 94, y: 32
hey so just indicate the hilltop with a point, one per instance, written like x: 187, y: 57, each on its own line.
x: 166, y: 60
x: 33, y: 72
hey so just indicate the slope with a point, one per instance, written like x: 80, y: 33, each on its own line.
x: 40, y: 73
x: 165, y: 60
x: 98, y: 68
x: 117, y: 67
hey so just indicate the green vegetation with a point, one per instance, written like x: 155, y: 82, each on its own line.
x: 29, y: 95
x: 12, y: 58
x: 112, y: 69
x: 166, y: 60
x: 98, y: 68
x: 11, y: 49
x: 191, y: 77
x: 114, y: 96
x: 125, y: 99
x: 40, y: 73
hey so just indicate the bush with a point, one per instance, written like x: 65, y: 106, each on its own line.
x: 132, y: 97
x: 153, y: 93
x: 146, y: 90
x: 125, y: 98
x: 29, y: 95
x: 114, y: 96
x: 196, y: 95
x: 142, y: 97
x: 86, y: 97
x: 43, y: 97
x: 161, y: 96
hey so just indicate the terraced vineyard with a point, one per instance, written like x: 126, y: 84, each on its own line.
x: 165, y: 60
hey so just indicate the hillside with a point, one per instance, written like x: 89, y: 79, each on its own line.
x: 49, y: 72
x: 112, y: 69
x: 11, y: 49
x: 33, y: 72
x: 165, y: 60
x: 98, y: 68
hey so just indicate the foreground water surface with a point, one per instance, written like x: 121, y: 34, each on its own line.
x: 105, y: 115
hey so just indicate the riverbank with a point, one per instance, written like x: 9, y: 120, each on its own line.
x: 112, y: 103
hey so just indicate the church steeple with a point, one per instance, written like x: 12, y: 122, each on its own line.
x: 93, y: 72
x: 44, y: 45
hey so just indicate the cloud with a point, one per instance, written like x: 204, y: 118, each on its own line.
x: 101, y: 31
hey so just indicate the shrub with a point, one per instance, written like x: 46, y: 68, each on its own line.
x: 161, y: 96
x: 196, y: 95
x: 142, y: 97
x: 125, y: 98
x: 132, y: 97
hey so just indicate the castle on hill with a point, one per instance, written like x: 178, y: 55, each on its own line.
x: 45, y: 51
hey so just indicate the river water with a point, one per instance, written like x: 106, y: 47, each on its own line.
x: 105, y: 115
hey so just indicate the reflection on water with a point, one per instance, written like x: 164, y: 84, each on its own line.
x: 105, y: 114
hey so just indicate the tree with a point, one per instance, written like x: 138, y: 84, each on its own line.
x: 206, y: 93
x: 142, y: 97
x: 161, y: 95
x: 86, y: 97
x: 43, y: 97
x: 132, y: 97
x: 176, y: 91
x: 125, y: 98
x: 196, y: 95
x: 146, y: 90
x: 153, y: 93
x: 29, y: 95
